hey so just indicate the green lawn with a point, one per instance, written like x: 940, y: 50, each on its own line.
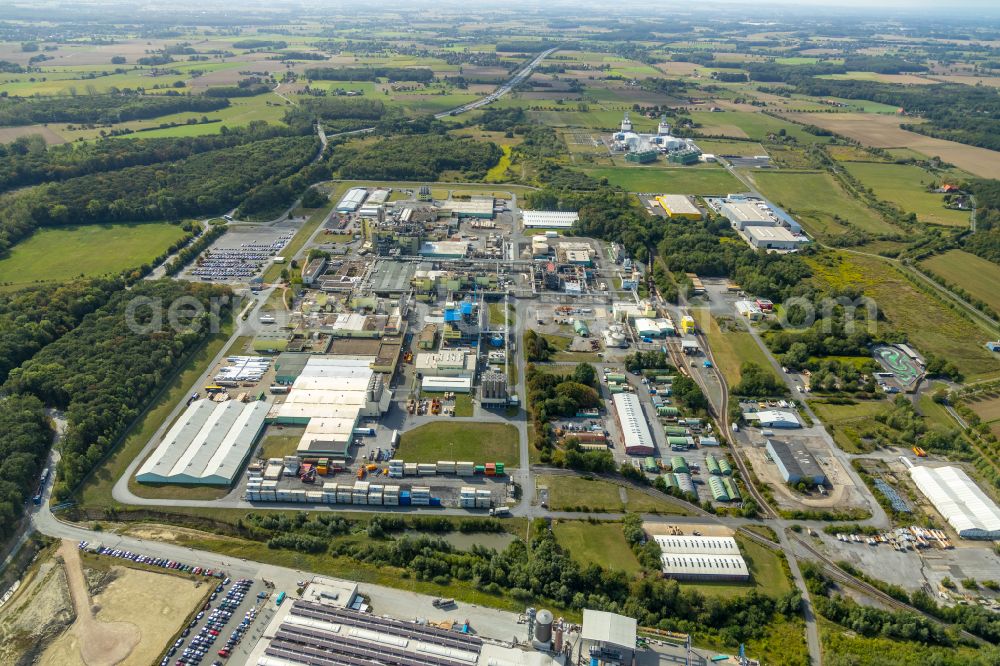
x: 280, y: 443
x: 445, y: 440
x: 906, y: 186
x: 673, y: 180
x: 752, y: 124
x: 817, y: 200
x: 731, y: 349
x: 597, y: 543
x: 979, y: 277
x: 58, y: 254
x: 570, y: 493
x: 846, y: 422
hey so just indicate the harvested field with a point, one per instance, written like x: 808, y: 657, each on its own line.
x: 979, y: 277
x: 882, y: 131
x: 988, y: 409
x: 8, y: 134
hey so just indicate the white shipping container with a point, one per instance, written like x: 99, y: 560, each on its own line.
x: 374, y: 498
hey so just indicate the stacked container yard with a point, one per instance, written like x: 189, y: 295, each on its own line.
x: 404, y: 498
x: 390, y: 496
x: 467, y: 497
x: 283, y: 495
x: 410, y: 469
x: 484, y: 499
x: 420, y: 495
x: 679, y: 465
x: 501, y: 470
x: 426, y: 469
x: 731, y: 489
x: 395, y: 468
x: 712, y: 464
x: 464, y: 468
x: 314, y: 496
x: 329, y: 493
x: 360, y: 494
x: 298, y: 496
x: 446, y: 467
x: 375, y: 492
x: 491, y: 469
x: 345, y: 494
x: 717, y: 489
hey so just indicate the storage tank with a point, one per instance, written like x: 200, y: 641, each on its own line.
x: 558, y: 645
x: 543, y: 626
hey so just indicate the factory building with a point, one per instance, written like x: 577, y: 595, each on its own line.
x: 207, y: 445
x: 444, y: 384
x: 607, y: 638
x: 743, y: 214
x: 773, y: 238
x: 624, y: 311
x: 477, y: 207
x: 959, y: 500
x: 795, y: 463
x: 351, y: 201
x: 493, y: 389
x: 312, y: 271
x: 637, y: 439
x: 323, y: 629
x: 677, y: 205
x: 446, y: 363
x: 444, y: 249
x: 705, y: 558
x: 548, y: 219
x: 773, y: 418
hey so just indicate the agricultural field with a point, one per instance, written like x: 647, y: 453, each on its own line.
x: 818, y: 201
x: 57, y: 254
x: 675, y: 180
x: 883, y: 131
x: 977, y: 276
x: 930, y: 325
x: 741, y: 148
x: 749, y: 124
x: 906, y: 186
x: 448, y: 440
x: 597, y: 543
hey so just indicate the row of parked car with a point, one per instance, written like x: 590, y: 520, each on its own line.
x: 150, y: 560
x: 215, y: 623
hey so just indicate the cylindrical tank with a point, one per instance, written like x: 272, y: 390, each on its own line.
x: 558, y: 644
x: 543, y: 626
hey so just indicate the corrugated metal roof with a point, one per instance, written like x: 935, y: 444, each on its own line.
x: 959, y: 500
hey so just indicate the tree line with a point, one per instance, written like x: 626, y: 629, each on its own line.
x: 27, y: 436
x: 101, y: 109
x: 421, y: 74
x: 416, y: 157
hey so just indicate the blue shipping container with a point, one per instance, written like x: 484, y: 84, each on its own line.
x: 435, y: 501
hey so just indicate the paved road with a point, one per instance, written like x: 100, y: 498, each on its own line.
x: 515, y: 81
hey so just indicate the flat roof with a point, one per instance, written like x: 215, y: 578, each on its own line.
x: 208, y: 444
x: 678, y: 204
x: 446, y: 384
x: 796, y: 458
x: 610, y: 628
x: 549, y: 218
x: 742, y: 211
x: 772, y: 234
x: 682, y: 544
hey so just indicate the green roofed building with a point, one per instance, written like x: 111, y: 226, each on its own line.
x: 641, y: 156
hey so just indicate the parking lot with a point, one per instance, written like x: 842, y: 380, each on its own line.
x: 240, y: 254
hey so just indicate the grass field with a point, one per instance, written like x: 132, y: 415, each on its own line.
x: 731, y: 349
x: 846, y: 421
x: 767, y: 573
x: 58, y: 254
x: 930, y: 325
x: 446, y: 440
x: 597, y: 543
x: 742, y: 148
x: 569, y: 493
x: 979, y: 277
x: 751, y: 124
x: 817, y: 201
x: 280, y: 443
x: 679, y: 180
x: 906, y: 186
x: 988, y: 410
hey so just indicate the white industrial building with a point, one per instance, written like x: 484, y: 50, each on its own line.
x: 773, y: 418
x: 701, y: 558
x: 351, y: 201
x: 446, y: 363
x: 637, y: 438
x: 745, y: 213
x: 207, y: 445
x: 608, y: 638
x: 773, y: 238
x: 334, y: 392
x: 443, y: 384
x: 959, y: 500
x: 548, y: 219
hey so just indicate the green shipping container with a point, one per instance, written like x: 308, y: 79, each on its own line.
x: 664, y: 379
x: 616, y: 389
x: 675, y: 431
x: 616, y: 377
x: 479, y: 469
x: 499, y: 468
x: 667, y: 410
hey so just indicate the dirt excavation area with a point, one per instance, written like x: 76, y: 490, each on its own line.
x: 88, y: 610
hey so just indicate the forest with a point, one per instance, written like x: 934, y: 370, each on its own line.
x: 337, y: 114
x: 416, y: 157
x: 104, y: 371
x: 205, y: 183
x: 101, y: 109
x: 986, y: 241
x: 29, y: 161
x: 26, y: 439
x: 421, y: 74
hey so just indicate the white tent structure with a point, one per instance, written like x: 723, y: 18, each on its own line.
x: 207, y: 445
x: 959, y: 500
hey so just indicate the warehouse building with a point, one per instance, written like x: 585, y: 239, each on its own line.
x: 637, y: 439
x: 677, y: 205
x: 795, y: 462
x: 773, y: 418
x: 959, y: 500
x: 444, y: 249
x: 608, y: 638
x: 477, y: 207
x: 443, y: 384
x: 323, y: 629
x: 744, y: 213
x: 548, y: 219
x: 352, y: 200
x: 701, y: 558
x: 207, y: 445
x: 773, y: 238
